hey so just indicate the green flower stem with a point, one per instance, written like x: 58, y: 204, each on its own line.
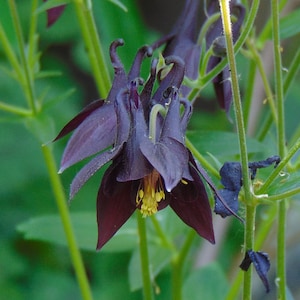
x: 284, y: 195
x: 282, y: 205
x: 279, y: 168
x: 249, y: 90
x: 165, y: 240
x: 262, y: 232
x: 268, y: 90
x: 28, y: 82
x: 15, y: 109
x: 9, y: 52
x: 292, y: 71
x: 240, y: 42
x: 32, y: 30
x: 249, y: 243
x: 205, y: 27
x: 144, y: 257
x: 178, y: 264
x: 206, y: 165
x: 93, y: 45
x: 250, y: 209
x: 266, y: 32
x: 66, y: 221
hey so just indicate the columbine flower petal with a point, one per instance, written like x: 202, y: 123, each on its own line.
x: 54, y: 13
x: 114, y: 205
x: 190, y: 202
x: 261, y: 264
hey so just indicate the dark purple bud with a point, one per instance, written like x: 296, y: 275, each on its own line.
x: 54, y: 13
x: 261, y: 264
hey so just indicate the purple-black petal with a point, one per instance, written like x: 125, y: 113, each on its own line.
x: 54, y: 13
x: 173, y: 126
x: 77, y: 120
x: 114, y: 205
x: 91, y: 168
x: 231, y: 199
x: 94, y: 134
x: 134, y: 164
x: 190, y: 203
x: 169, y: 157
x: 261, y: 264
x: 120, y: 78
x: 184, y: 41
x: 173, y: 78
x: 143, y: 52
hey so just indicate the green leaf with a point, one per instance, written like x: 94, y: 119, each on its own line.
x: 159, y: 257
x: 49, y: 229
x: 221, y: 143
x: 289, y: 25
x: 285, y: 182
x: 207, y: 283
x: 51, y: 3
x: 119, y: 4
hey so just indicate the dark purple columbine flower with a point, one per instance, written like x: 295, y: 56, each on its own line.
x: 232, y: 180
x: 54, y: 13
x: 151, y: 167
x: 96, y: 124
x: 150, y: 172
x: 183, y: 41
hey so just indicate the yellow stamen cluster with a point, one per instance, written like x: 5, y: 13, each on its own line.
x: 150, y: 193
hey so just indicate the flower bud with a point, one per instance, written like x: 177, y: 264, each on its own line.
x: 219, y: 46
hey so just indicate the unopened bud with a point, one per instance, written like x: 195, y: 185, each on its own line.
x: 219, y: 46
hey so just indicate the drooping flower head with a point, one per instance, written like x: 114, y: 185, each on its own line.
x: 151, y: 166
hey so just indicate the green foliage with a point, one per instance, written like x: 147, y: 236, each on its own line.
x: 47, y: 76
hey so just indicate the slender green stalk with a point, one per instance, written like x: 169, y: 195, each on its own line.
x: 250, y: 209
x: 178, y: 264
x: 281, y: 236
x: 249, y: 91
x: 165, y: 240
x: 67, y: 225
x: 93, y: 45
x: 144, y: 257
x: 249, y: 244
x: 267, y: 87
x: 264, y: 228
x: 284, y: 195
x: 239, y: 43
x: 206, y: 165
x: 32, y: 30
x: 279, y: 168
x: 15, y: 109
x: 28, y: 83
x: 292, y: 71
x: 9, y: 52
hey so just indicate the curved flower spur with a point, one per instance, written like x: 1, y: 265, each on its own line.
x: 151, y: 166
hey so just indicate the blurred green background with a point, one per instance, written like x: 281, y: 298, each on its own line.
x: 40, y: 270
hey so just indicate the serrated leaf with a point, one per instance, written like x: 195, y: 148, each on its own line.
x: 207, y: 283
x: 49, y: 229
